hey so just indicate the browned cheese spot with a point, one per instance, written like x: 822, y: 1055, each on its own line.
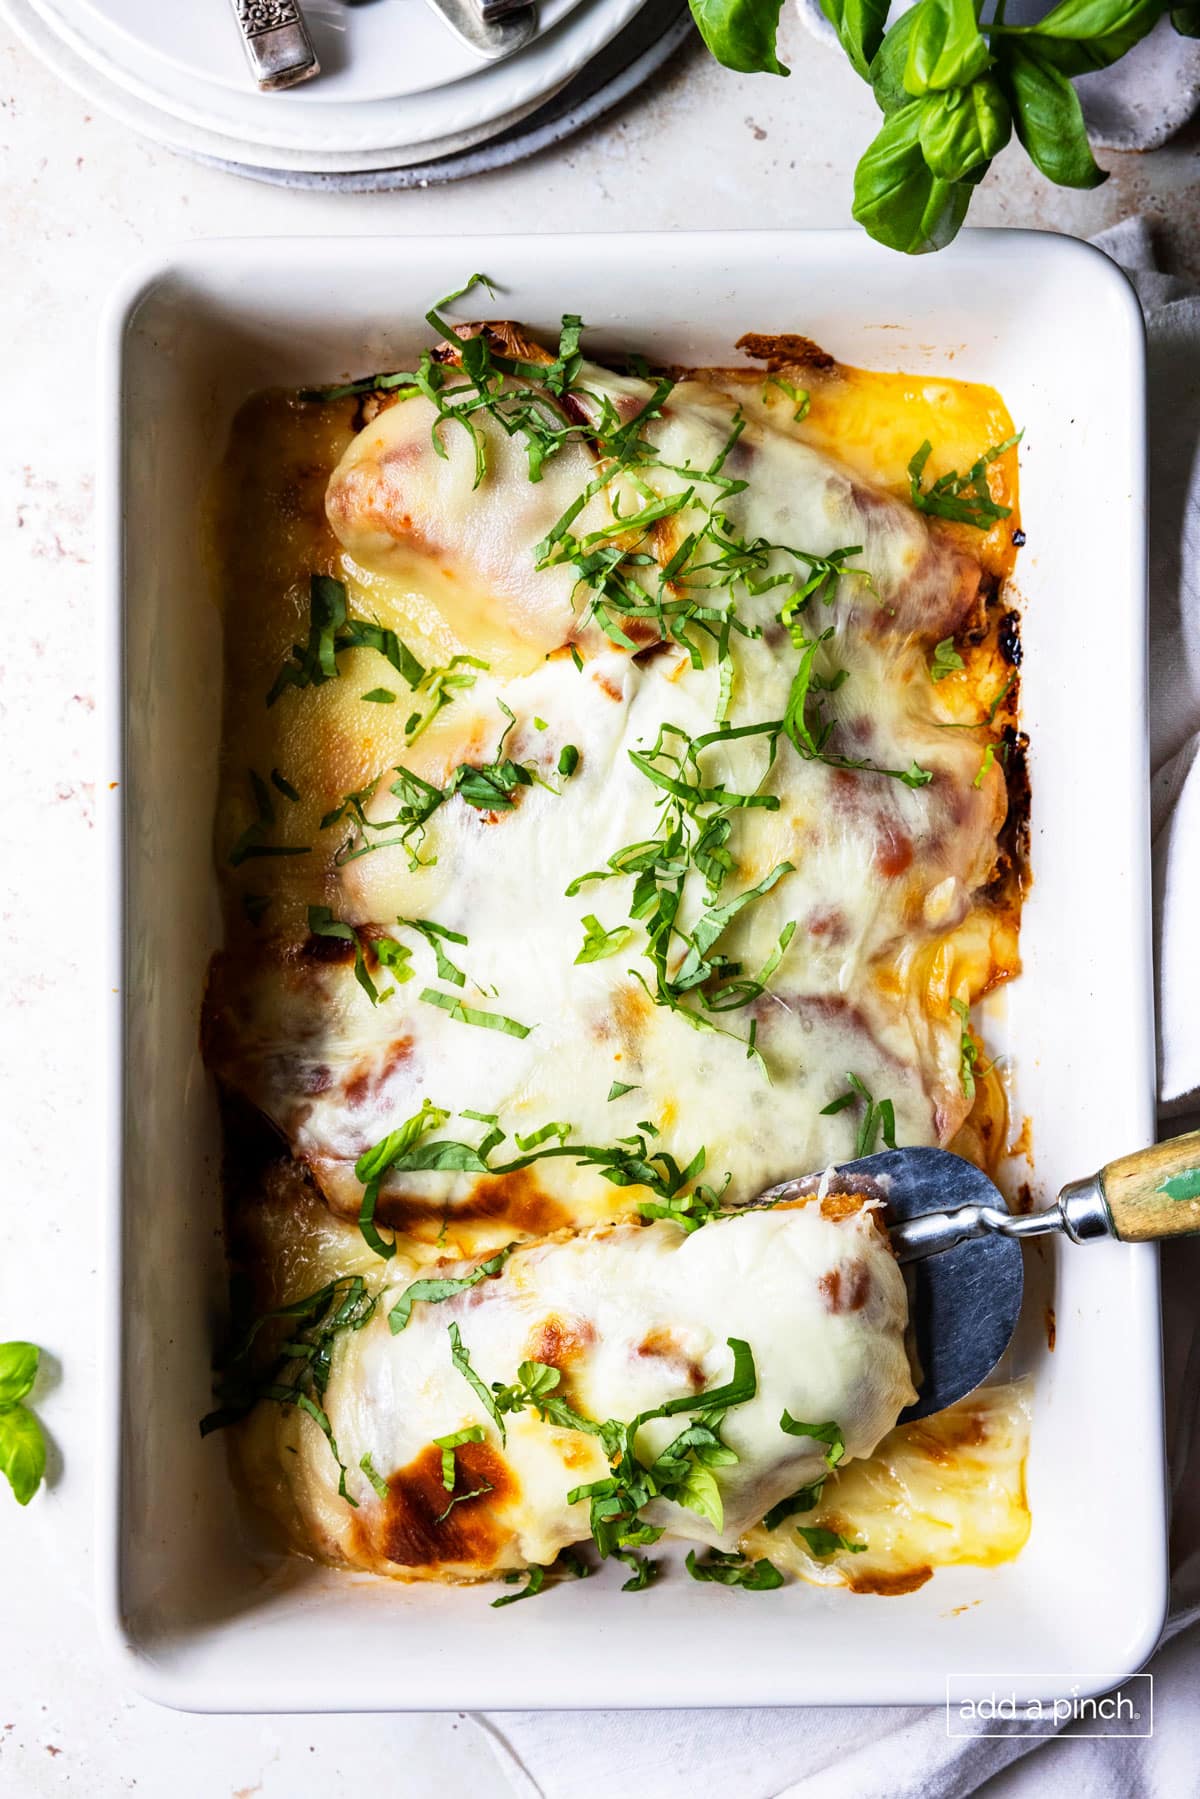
x: 560, y: 1342
x: 406, y: 1530
x: 890, y: 1586
x: 662, y: 1344
x: 779, y: 348
x: 845, y: 1289
x: 514, y: 1199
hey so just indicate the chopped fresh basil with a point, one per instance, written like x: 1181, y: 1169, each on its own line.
x: 946, y: 660
x: 472, y: 1434
x: 731, y: 1570
x: 433, y: 1290
x: 568, y: 760
x: 462, y: 1361
x: 284, y: 786
x: 799, y: 396
x: 968, y: 1049
x: 829, y: 1433
x: 803, y: 1500
x: 434, y: 935
x: 823, y: 1542
x: 533, y: 1586
x: 399, y: 1146
x: 297, y: 1371
x: 490, y: 1021
x: 331, y: 630
x: 620, y: 1087
x: 251, y: 843
x: 381, y: 696
x: 964, y: 498
x: 599, y: 943
x: 322, y: 923
x: 879, y: 1115
x: 377, y: 1481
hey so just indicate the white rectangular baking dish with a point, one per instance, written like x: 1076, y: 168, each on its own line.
x: 194, y: 1620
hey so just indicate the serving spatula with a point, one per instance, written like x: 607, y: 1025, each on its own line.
x: 960, y: 1245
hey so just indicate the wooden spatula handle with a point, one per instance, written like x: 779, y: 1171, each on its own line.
x: 1156, y: 1192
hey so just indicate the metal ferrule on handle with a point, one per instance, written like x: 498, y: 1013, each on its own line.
x: 1080, y: 1212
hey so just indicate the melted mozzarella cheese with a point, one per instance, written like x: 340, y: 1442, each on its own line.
x: 632, y: 1317
x: 948, y: 1490
x: 884, y: 881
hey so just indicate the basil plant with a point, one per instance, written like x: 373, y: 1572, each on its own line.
x: 952, y: 88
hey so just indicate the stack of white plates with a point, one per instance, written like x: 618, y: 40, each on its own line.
x: 397, y: 87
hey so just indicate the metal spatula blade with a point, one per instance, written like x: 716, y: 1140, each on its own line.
x: 961, y: 1247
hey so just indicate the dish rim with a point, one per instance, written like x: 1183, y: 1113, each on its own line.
x: 240, y: 255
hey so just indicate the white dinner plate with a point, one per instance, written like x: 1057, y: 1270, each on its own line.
x: 379, y: 50
x: 229, y: 152
x: 300, y: 133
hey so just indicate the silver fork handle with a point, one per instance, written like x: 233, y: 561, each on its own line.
x: 275, y: 37
x: 1080, y: 1213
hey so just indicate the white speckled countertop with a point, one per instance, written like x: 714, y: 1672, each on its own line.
x: 81, y: 198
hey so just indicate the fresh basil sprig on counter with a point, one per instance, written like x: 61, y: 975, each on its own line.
x: 953, y: 86
x: 22, y: 1445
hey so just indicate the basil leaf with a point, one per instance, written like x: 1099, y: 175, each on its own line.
x: 968, y: 1049
x: 946, y: 660
x: 490, y: 1021
x: 18, y: 1370
x: 735, y: 1571
x: 700, y: 1493
x: 284, y: 786
x: 322, y: 923
x: 964, y: 498
x: 741, y: 33
x: 645, y: 1572
x: 433, y: 1291
x: 537, y: 1577
x: 22, y: 1452
x: 381, y: 696
x: 377, y: 1481
x: 1048, y: 116
x: 599, y: 943
x: 1081, y: 35
x: 331, y: 630
x: 897, y: 198
x: 829, y: 1434
x: 964, y: 127
x: 472, y: 1434
x: 395, y: 957
x: 827, y: 1542
x: 740, y: 1387
x: 860, y: 26
x: 462, y: 1361
x: 801, y: 1501
x: 446, y: 969
x: 945, y: 48
x: 620, y: 1087
x: 568, y: 760
x: 888, y: 64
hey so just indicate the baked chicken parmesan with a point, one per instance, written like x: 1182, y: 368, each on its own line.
x: 620, y: 815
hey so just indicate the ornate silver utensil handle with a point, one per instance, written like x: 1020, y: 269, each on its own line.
x: 278, y: 47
